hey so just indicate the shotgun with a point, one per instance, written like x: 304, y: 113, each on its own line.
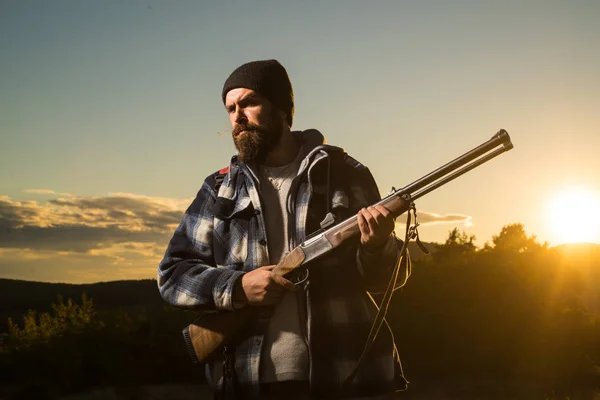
x: 207, y: 335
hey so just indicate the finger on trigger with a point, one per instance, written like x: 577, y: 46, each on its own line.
x: 285, y: 283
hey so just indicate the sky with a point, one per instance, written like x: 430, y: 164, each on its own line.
x: 111, y: 115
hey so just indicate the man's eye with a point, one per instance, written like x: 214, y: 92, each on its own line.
x: 249, y: 102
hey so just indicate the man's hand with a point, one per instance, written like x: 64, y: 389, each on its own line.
x: 262, y: 287
x: 376, y: 224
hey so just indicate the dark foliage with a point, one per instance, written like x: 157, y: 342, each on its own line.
x: 73, y: 348
x: 510, y: 317
x: 17, y: 297
x: 514, y: 319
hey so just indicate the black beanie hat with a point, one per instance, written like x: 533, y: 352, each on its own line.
x: 267, y: 77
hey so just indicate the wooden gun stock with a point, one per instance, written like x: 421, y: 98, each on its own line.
x: 207, y: 335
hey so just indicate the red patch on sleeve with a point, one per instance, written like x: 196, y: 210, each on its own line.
x: 223, y: 171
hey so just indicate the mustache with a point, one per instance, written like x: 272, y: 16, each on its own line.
x: 246, y: 127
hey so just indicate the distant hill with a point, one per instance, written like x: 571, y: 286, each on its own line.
x: 584, y: 258
x: 16, y: 296
x: 579, y: 249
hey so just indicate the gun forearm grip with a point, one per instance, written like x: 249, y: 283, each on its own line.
x: 290, y: 262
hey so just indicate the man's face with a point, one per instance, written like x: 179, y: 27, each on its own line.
x: 256, y: 124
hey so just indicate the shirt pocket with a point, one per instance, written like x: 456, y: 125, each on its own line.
x: 231, y: 228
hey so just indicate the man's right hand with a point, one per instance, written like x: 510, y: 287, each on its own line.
x: 262, y: 287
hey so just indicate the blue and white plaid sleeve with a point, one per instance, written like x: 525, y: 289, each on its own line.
x: 188, y: 276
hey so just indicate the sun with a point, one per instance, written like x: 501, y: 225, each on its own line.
x: 574, y: 216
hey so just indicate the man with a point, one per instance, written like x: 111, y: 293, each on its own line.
x: 310, y: 333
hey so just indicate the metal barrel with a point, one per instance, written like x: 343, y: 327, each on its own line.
x: 499, y: 139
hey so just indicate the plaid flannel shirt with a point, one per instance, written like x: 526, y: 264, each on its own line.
x: 222, y: 236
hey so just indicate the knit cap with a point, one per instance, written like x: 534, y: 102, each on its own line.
x: 267, y: 77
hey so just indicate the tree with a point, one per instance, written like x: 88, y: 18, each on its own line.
x: 67, y: 317
x: 513, y: 238
x: 458, y: 244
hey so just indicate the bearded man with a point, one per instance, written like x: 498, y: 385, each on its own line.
x: 276, y: 190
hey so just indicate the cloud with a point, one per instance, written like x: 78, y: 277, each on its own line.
x: 47, y: 192
x: 39, y: 191
x: 424, y: 217
x: 89, y: 239
x: 82, y: 224
x: 52, y: 266
x: 86, y: 239
x: 115, y: 224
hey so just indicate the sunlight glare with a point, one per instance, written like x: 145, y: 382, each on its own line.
x: 574, y: 216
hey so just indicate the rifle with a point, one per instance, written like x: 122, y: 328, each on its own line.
x: 208, y: 334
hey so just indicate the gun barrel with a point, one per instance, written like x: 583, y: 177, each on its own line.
x: 454, y: 167
x: 459, y: 172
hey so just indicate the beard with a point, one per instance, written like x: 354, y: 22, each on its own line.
x: 257, y: 141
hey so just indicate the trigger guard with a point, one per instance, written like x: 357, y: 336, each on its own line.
x: 301, y: 278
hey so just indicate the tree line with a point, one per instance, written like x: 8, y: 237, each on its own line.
x: 512, y: 319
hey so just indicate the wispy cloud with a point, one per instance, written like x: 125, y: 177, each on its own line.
x: 82, y: 224
x: 85, y: 239
x: 39, y: 191
x: 53, y: 266
x: 47, y: 192
x: 433, y: 218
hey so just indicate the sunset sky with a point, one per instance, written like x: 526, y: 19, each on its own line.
x: 111, y: 115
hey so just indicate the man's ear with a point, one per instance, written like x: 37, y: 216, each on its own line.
x: 284, y: 118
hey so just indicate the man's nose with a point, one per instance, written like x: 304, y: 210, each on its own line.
x: 239, y: 116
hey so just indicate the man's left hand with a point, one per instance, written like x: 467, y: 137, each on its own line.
x: 376, y: 224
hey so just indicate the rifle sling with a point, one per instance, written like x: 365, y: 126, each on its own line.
x: 411, y: 232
